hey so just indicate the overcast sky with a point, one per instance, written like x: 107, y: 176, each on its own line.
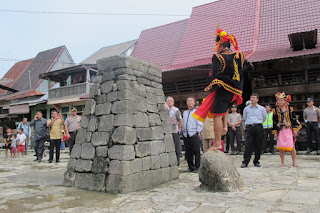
x: 23, y: 35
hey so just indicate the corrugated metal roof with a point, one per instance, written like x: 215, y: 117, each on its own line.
x: 41, y: 63
x: 159, y: 45
x: 21, y: 95
x: 14, y: 73
x: 105, y: 52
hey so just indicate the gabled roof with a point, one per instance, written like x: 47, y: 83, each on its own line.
x: 112, y: 50
x: 42, y: 63
x: 278, y: 19
x: 260, y: 26
x: 159, y: 45
x: 14, y: 73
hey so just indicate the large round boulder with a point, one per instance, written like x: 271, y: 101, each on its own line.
x: 218, y: 174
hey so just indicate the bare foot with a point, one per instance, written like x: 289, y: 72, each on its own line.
x: 282, y: 165
x: 295, y: 165
x: 214, y: 147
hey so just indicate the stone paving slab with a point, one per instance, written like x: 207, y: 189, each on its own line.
x: 27, y: 186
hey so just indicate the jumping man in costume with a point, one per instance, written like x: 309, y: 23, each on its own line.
x: 285, y: 127
x: 227, y: 74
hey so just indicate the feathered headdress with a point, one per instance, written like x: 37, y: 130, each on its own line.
x: 283, y: 95
x: 223, y: 37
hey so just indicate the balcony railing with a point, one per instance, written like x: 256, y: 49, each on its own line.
x: 74, y: 90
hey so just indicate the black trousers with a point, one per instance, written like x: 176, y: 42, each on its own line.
x: 177, y: 145
x: 39, y: 148
x: 192, y: 146
x: 72, y: 140
x: 313, y: 129
x: 232, y: 134
x: 55, y: 143
x: 268, y: 144
x: 254, y: 141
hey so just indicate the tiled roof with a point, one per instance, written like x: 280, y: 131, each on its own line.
x: 260, y: 26
x: 14, y: 73
x: 280, y: 18
x: 21, y: 95
x: 159, y: 45
x: 105, y: 52
x: 43, y: 62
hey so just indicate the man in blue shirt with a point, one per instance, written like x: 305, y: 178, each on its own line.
x: 254, y: 115
x: 26, y: 130
x: 191, y: 129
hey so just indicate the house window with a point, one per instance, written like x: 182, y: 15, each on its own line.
x: 303, y: 40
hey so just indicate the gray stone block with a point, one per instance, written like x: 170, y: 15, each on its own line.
x: 174, y: 173
x: 114, y: 184
x: 124, y: 106
x: 164, y: 115
x: 162, y: 108
x: 142, y: 149
x: 160, y: 99
x: 155, y: 71
x: 102, y: 151
x: 126, y: 95
x: 93, y: 124
x: 106, y: 123
x: 127, y: 77
x: 153, y: 108
x: 93, y: 182
x: 143, y: 81
x: 108, y: 76
x: 144, y: 134
x: 124, y: 135
x: 141, y: 104
x: 139, y: 74
x: 100, y: 165
x: 100, y: 138
x: 69, y: 178
x: 88, y: 138
x: 140, y: 90
x: 81, y: 136
x: 71, y: 164
x: 112, y: 96
x: 84, y: 121
x: 173, y: 159
x: 168, y: 140
x: 123, y: 71
x: 125, y: 84
x: 166, y: 127
x: 157, y: 133
x: 118, y: 167
x: 124, y: 120
x: 156, y: 85
x: 106, y: 87
x: 154, y: 119
x: 153, y: 78
x: 103, y: 109
x: 151, y: 90
x: 141, y: 120
x: 155, y: 162
x: 101, y: 98
x: 164, y: 158
x: 152, y: 99
x: 157, y: 147
x: 76, y: 151
x: 83, y: 165
x: 87, y: 151
x: 146, y: 163
x: 160, y: 92
x: 89, y: 107
x: 121, y: 152
x: 94, y: 90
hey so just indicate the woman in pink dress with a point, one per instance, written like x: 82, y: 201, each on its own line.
x: 285, y: 127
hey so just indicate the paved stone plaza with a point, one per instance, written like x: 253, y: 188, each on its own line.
x: 26, y: 186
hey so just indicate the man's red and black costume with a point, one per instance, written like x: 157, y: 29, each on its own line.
x: 227, y: 79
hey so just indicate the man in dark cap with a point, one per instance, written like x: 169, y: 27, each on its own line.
x: 72, y: 125
x: 311, y: 115
x: 234, y: 121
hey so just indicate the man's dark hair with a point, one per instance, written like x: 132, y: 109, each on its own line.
x: 54, y: 111
x: 39, y: 112
x: 255, y: 94
x: 21, y: 129
x: 226, y: 44
x: 269, y: 105
x: 192, y: 98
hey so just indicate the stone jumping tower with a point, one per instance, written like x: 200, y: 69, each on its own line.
x: 124, y: 143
